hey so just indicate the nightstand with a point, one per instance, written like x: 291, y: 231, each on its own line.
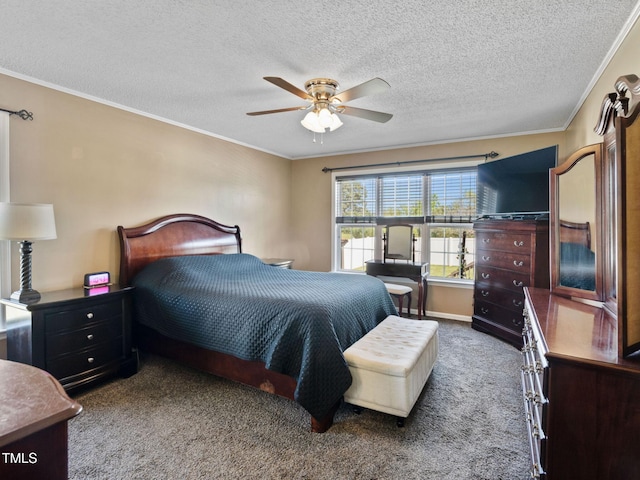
x: 79, y: 336
x: 278, y: 262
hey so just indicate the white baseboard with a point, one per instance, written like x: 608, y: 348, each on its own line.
x: 444, y: 316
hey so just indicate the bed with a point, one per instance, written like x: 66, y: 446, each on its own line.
x: 577, y: 260
x: 199, y: 300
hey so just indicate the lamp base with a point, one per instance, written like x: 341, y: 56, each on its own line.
x: 26, y: 296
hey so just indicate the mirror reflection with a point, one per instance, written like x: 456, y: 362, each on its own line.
x: 576, y: 217
x: 576, y: 225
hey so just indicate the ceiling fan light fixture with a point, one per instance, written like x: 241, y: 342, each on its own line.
x: 325, y: 117
x: 325, y: 104
x: 311, y: 122
x: 336, y: 123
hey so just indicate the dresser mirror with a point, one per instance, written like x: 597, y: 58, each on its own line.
x: 576, y: 219
x: 398, y: 242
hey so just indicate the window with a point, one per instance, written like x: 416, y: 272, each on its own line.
x: 439, y: 203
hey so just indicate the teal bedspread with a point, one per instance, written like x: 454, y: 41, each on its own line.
x: 298, y: 323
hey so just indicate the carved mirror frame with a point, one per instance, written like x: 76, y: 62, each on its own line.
x: 620, y: 126
x: 576, y: 232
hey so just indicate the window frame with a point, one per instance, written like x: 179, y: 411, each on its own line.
x: 425, y: 234
x: 5, y: 245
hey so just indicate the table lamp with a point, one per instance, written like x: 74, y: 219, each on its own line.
x: 25, y: 223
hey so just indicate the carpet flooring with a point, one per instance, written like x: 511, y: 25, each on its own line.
x: 172, y: 422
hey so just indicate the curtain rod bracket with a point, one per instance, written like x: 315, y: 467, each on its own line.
x: 486, y: 156
x: 23, y: 114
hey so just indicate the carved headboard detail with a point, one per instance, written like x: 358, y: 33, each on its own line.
x: 171, y: 236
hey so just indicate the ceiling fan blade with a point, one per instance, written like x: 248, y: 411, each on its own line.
x: 288, y: 87
x: 280, y: 110
x: 371, y: 87
x: 363, y: 113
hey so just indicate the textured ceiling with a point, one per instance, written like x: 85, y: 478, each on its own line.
x: 458, y: 70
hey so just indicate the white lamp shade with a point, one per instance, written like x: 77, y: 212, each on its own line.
x: 324, y: 118
x: 27, y: 221
x: 311, y: 122
x: 336, y: 123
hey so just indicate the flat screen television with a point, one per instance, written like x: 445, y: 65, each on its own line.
x: 515, y: 186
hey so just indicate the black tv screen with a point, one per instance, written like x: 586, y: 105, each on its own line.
x: 516, y: 185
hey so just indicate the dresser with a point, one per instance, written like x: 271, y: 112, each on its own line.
x: 33, y: 432
x: 79, y: 336
x: 510, y: 255
x: 582, y: 402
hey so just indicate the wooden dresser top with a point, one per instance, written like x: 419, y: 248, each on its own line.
x: 578, y: 331
x: 30, y: 400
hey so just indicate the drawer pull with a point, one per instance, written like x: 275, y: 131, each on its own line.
x: 486, y: 258
x: 486, y: 240
x: 517, y: 303
x: 518, y: 243
x: 518, y: 264
x: 484, y: 293
x: 484, y: 310
x: 518, y: 284
x: 89, y: 315
x: 485, y: 275
x: 536, y: 431
x: 90, y: 336
x: 91, y: 359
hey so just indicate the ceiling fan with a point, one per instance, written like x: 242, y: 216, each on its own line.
x: 325, y: 103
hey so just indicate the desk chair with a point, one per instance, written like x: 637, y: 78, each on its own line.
x: 399, y: 292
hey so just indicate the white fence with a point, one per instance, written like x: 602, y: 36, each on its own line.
x: 443, y: 251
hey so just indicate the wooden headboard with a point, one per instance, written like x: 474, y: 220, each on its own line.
x: 579, y: 233
x: 171, y: 236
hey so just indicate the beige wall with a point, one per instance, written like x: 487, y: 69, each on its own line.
x: 626, y: 61
x: 102, y: 167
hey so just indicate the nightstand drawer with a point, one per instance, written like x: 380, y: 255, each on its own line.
x: 80, y: 317
x: 69, y: 365
x: 83, y: 338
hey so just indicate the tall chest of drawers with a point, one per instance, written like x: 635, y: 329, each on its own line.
x: 78, y: 336
x: 510, y: 255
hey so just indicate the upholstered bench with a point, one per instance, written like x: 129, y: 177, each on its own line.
x: 390, y: 365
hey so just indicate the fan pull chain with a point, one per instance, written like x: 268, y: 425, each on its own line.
x: 321, y: 138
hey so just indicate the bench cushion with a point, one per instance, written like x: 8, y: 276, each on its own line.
x: 393, y: 347
x: 395, y: 289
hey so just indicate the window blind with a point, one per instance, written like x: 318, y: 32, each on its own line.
x: 434, y: 196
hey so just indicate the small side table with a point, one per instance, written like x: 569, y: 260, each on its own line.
x: 79, y: 336
x: 34, y: 410
x: 278, y: 262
